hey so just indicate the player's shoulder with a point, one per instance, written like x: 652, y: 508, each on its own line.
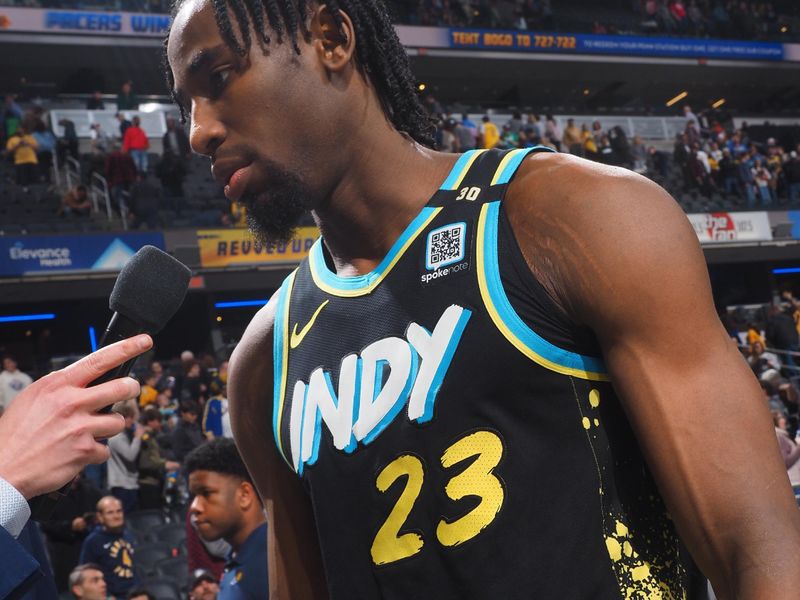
x: 256, y: 342
x: 561, y: 194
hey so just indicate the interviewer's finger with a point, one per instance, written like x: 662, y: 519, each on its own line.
x: 103, y: 426
x: 100, y: 362
x: 110, y: 392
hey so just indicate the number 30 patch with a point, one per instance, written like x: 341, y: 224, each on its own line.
x: 477, y: 479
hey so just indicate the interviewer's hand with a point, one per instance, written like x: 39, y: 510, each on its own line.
x: 50, y: 431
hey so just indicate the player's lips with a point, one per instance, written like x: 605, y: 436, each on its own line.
x: 232, y: 175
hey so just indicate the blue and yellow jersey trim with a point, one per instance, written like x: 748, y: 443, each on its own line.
x: 460, y: 169
x: 351, y: 287
x: 511, y: 162
x: 280, y: 357
x: 506, y: 319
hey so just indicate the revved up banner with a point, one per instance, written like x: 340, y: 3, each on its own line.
x: 221, y: 248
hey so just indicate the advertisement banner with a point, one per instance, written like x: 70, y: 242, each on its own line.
x: 785, y: 224
x: 723, y: 227
x: 236, y: 247
x: 566, y: 43
x: 64, y: 253
x: 84, y: 22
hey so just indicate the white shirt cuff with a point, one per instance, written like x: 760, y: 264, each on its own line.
x: 14, y: 509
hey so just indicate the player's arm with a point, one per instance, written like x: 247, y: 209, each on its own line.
x: 293, y: 555
x: 622, y: 258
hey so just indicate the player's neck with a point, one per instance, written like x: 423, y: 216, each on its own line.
x: 385, y: 185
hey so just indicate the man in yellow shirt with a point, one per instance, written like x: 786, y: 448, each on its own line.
x: 489, y: 134
x: 22, y: 145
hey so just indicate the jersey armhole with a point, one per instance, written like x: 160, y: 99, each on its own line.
x: 280, y: 358
x: 508, y: 321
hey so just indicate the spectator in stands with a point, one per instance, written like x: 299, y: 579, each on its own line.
x: 226, y: 505
x: 139, y: 594
x: 101, y: 140
x: 532, y: 129
x: 215, y: 413
x: 111, y: 547
x: 187, y: 435
x: 12, y: 382
x: 782, y: 333
x: 86, y: 582
x: 449, y: 139
x: 76, y: 202
x: 148, y: 391
x: 126, y: 99
x: 145, y: 197
x: 515, y: 122
x: 762, y: 178
x: 728, y: 173
x: 45, y: 148
x: 471, y: 127
x: 123, y: 125
x: 762, y: 361
x: 464, y: 135
x: 68, y: 526
x: 135, y: 143
x: 573, y: 140
x: 22, y: 147
x: 123, y: 472
x: 120, y: 175
x: 204, y: 556
x: 639, y: 155
x: 589, y: 145
x: 67, y: 144
x: 792, y: 170
x: 552, y: 132
x: 790, y: 451
x: 203, y: 587
x: 488, y: 133
x: 12, y: 115
x: 152, y: 466
x: 95, y: 102
x: 175, y: 140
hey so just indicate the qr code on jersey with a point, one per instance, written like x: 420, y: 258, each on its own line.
x: 445, y: 246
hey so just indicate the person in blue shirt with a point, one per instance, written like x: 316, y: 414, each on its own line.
x: 111, y: 547
x: 226, y: 505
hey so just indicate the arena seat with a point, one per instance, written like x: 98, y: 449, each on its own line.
x: 164, y: 589
x: 145, y: 520
x: 149, y: 556
x: 177, y: 568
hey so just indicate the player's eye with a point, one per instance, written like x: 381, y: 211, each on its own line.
x: 219, y: 79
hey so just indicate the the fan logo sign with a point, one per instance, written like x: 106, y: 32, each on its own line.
x: 720, y: 227
x: 723, y: 227
x: 47, y: 257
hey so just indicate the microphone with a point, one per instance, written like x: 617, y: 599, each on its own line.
x: 149, y: 290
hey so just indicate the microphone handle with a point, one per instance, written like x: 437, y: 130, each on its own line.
x: 119, y: 328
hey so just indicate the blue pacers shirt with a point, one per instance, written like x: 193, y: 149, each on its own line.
x: 245, y: 576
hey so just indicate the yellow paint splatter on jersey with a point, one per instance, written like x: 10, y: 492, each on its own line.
x: 637, y: 577
x: 594, y: 398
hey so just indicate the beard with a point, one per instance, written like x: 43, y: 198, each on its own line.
x: 273, y: 215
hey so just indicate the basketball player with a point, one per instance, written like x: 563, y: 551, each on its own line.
x: 479, y: 383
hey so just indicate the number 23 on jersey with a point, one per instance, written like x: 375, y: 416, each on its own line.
x: 476, y: 480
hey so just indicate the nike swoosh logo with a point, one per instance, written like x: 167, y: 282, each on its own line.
x: 296, y: 338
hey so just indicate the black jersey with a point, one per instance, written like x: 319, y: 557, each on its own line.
x: 458, y: 437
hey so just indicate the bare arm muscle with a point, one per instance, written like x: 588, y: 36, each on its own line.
x: 294, y: 560
x: 620, y: 256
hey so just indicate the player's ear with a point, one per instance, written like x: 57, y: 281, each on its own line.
x: 334, y: 45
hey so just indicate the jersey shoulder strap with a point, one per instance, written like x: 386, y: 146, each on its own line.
x: 482, y: 176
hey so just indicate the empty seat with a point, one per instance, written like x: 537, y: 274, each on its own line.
x: 148, y: 556
x: 177, y: 568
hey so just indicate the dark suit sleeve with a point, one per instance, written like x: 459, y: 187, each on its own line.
x: 19, y: 571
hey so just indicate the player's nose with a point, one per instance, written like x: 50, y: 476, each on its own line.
x: 207, y: 131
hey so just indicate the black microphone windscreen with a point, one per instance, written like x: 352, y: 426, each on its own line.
x: 150, y: 288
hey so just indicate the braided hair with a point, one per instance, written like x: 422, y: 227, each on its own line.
x: 379, y: 54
